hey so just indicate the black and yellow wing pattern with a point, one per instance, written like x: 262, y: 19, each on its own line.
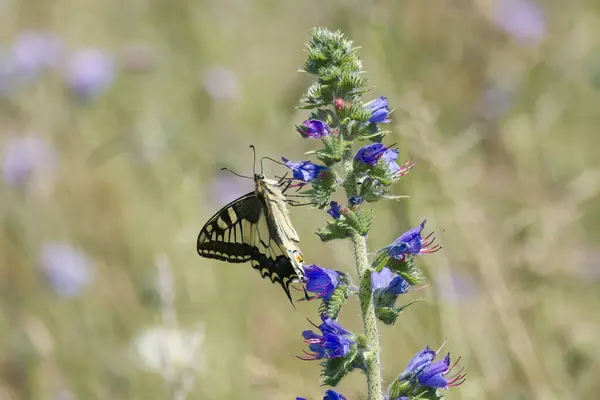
x: 255, y: 228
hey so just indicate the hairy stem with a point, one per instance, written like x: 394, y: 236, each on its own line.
x: 365, y: 294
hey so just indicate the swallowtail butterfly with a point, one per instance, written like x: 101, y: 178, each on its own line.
x: 256, y: 228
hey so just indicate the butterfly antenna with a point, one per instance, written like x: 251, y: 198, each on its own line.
x: 254, y: 160
x: 270, y: 159
x: 235, y: 173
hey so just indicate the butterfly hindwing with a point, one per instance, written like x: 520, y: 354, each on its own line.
x: 241, y: 232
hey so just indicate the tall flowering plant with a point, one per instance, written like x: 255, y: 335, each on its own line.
x: 353, y: 158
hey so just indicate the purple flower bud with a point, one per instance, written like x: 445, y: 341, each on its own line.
x: 314, y: 129
x: 25, y: 156
x: 379, y: 110
x: 89, y: 73
x: 67, y: 269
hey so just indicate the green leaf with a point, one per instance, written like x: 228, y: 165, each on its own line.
x: 334, y: 369
x: 321, y: 188
x: 360, y: 221
x: 339, y: 297
x: 333, y: 230
x: 389, y: 315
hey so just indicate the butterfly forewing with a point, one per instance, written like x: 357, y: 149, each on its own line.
x: 255, y: 228
x: 229, y: 234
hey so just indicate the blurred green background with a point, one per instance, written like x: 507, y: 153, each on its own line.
x: 115, y: 117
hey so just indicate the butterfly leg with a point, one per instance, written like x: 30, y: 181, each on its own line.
x: 296, y: 203
x: 283, y: 178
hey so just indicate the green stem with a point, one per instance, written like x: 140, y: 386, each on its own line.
x: 365, y: 294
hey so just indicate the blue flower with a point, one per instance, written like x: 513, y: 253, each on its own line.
x: 370, y: 154
x: 304, y: 171
x: 425, y: 372
x: 335, y: 210
x: 334, y: 342
x: 333, y: 395
x: 329, y: 395
x: 388, y: 282
x: 313, y: 128
x: 321, y: 281
x: 378, y: 153
x: 421, y: 360
x: 379, y: 110
x: 411, y: 243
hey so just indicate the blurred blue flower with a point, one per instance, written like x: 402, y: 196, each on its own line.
x: 370, y: 154
x: 334, y: 341
x: 411, y: 243
x: 33, y: 51
x: 335, y: 210
x: 522, y: 19
x: 321, y: 281
x: 89, y: 73
x: 424, y: 371
x: 459, y: 286
x: 67, y: 269
x: 495, y: 103
x: 220, y: 83
x: 313, y: 128
x: 23, y: 157
x: 379, y: 110
x: 226, y: 187
x: 304, y: 171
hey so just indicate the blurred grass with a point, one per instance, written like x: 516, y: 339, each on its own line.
x: 514, y: 198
